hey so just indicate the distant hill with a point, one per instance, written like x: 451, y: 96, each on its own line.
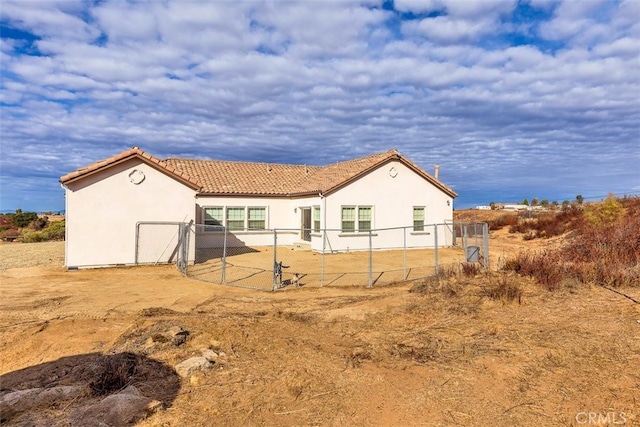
x: 10, y: 211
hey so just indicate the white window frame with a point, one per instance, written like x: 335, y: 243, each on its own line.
x: 213, y: 224
x: 249, y: 220
x: 316, y: 223
x: 424, y: 218
x: 356, y: 219
x: 209, y: 224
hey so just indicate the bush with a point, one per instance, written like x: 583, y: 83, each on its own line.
x: 55, y: 231
x: 604, y: 214
x: 604, y: 250
x: 23, y: 219
x: 504, y: 290
x: 502, y: 221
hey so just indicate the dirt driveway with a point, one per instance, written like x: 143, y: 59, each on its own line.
x: 336, y: 356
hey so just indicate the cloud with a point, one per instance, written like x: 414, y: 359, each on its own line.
x: 453, y: 83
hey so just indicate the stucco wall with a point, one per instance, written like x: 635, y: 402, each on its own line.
x: 102, y: 211
x: 392, y: 194
x: 392, y: 199
x: 281, y: 214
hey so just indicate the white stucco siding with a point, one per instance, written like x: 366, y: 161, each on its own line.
x: 104, y: 208
x: 392, y: 194
x: 281, y: 213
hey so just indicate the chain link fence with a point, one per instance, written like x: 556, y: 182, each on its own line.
x: 282, y: 258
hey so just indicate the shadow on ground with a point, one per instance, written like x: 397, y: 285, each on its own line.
x: 89, y: 390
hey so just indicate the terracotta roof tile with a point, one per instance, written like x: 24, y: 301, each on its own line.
x: 126, y: 155
x: 271, y: 179
x: 218, y: 177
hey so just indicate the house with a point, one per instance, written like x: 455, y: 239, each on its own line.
x: 515, y: 207
x: 109, y: 202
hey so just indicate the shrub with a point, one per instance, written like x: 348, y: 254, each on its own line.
x: 604, y: 250
x: 604, y: 214
x: 470, y: 269
x: 504, y: 290
x: 502, y: 221
x: 55, y: 231
x: 23, y: 219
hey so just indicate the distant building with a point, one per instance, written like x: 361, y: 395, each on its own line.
x: 515, y: 207
x: 483, y: 208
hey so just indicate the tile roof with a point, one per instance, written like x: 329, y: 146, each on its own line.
x: 134, y: 152
x: 219, y: 177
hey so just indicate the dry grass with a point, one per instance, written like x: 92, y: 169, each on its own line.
x: 603, y: 253
x: 22, y: 255
x: 461, y: 348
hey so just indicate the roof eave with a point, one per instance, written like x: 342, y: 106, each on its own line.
x: 394, y: 156
x: 143, y: 157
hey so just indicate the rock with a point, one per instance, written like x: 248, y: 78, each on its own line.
x: 121, y: 409
x: 178, y: 335
x: 19, y: 401
x: 194, y: 364
x: 209, y: 354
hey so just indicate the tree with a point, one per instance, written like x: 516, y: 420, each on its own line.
x: 534, y: 201
x: 22, y: 219
x: 545, y: 203
x: 525, y: 202
x: 606, y: 213
x: 579, y: 199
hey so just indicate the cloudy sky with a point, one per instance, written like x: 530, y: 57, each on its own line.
x: 514, y: 99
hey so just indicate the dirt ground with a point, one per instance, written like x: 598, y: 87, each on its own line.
x: 332, y: 356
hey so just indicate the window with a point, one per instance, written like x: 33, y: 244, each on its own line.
x: 316, y: 219
x: 348, y: 220
x: 257, y: 218
x: 361, y: 216
x: 213, y: 219
x: 235, y: 218
x: 364, y: 219
x: 418, y: 218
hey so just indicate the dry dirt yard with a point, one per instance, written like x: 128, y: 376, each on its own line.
x: 70, y: 342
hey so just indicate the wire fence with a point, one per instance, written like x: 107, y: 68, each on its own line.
x: 285, y: 258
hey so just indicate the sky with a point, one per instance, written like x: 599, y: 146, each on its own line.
x: 513, y: 99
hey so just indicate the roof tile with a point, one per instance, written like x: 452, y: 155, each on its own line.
x: 218, y: 177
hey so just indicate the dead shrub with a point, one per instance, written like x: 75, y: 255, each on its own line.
x: 435, y: 284
x: 505, y: 290
x: 425, y: 352
x: 115, y: 373
x: 357, y: 356
x: 470, y: 269
x: 502, y: 221
x: 603, y: 250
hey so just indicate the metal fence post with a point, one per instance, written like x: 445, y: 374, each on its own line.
x: 275, y: 257
x: 370, y: 260
x: 464, y: 240
x: 485, y: 244
x: 324, y: 252
x: 404, y: 253
x: 435, y: 240
x: 223, y: 279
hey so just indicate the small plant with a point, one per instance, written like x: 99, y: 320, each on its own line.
x: 116, y: 373
x: 505, y: 290
x: 470, y: 269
